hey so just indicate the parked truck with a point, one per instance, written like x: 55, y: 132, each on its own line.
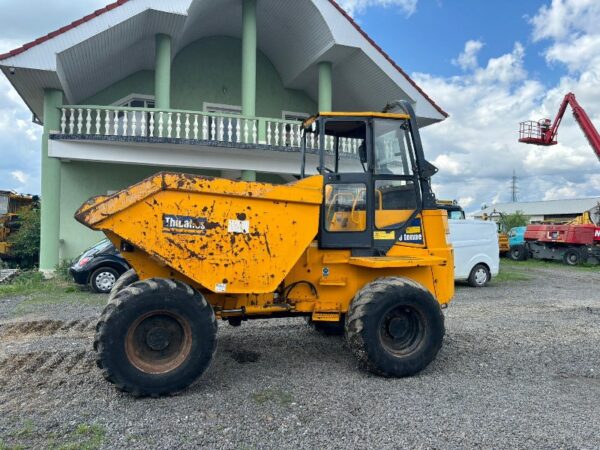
x: 572, y: 244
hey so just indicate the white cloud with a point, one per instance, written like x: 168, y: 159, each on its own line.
x: 468, y: 58
x: 476, y: 148
x: 19, y: 143
x: 353, y: 7
x: 561, y: 192
x: 564, y: 18
x: 20, y: 176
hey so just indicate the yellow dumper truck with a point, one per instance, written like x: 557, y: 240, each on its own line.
x: 360, y: 246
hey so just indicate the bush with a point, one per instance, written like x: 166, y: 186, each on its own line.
x: 517, y: 219
x: 25, y: 242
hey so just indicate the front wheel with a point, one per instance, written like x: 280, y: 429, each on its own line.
x: 395, y: 327
x: 518, y: 253
x: 124, y: 280
x: 480, y: 276
x: 103, y: 279
x: 155, y: 337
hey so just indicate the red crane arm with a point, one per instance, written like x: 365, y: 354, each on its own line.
x: 586, y: 124
x: 582, y: 119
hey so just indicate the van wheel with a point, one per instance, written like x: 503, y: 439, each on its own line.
x: 517, y: 253
x: 155, y: 337
x: 394, y: 327
x: 103, y: 279
x: 480, y: 276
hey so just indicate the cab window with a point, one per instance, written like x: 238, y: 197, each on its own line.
x: 393, y: 155
x: 346, y: 206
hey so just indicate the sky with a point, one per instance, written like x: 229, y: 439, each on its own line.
x: 490, y: 65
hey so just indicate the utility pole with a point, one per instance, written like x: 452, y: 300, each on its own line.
x: 514, y: 187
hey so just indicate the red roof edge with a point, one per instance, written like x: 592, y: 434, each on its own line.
x: 386, y: 56
x: 62, y: 30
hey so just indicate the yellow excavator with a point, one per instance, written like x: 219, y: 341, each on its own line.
x: 10, y: 204
x: 360, y: 245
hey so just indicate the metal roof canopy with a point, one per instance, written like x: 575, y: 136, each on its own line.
x: 103, y: 48
x: 543, y: 208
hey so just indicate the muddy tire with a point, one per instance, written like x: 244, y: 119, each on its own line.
x: 328, y: 328
x: 155, y: 337
x: 394, y: 327
x: 103, y: 279
x: 124, y: 280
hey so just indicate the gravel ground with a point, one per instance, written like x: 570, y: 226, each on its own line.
x: 519, y: 368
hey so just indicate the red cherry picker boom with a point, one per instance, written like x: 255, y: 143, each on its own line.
x: 573, y: 243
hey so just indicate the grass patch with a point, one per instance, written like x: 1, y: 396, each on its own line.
x: 272, y: 395
x: 543, y: 264
x: 39, y: 292
x: 83, y: 437
x: 510, y: 275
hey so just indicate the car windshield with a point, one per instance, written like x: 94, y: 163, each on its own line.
x: 100, y: 246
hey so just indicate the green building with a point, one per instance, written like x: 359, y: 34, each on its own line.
x: 216, y: 87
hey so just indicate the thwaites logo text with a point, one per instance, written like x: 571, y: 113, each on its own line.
x: 413, y: 233
x: 184, y: 224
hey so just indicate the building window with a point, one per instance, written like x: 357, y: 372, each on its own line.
x: 217, y: 108
x: 289, y: 115
x: 136, y: 101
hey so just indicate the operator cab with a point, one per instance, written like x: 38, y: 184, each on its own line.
x: 376, y: 180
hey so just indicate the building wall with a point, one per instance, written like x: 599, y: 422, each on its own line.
x: 83, y: 180
x: 209, y: 70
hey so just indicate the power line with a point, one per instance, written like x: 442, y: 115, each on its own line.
x: 514, y: 187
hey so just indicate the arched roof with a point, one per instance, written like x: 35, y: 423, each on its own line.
x: 118, y: 40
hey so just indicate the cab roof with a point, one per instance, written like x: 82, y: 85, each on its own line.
x: 395, y: 116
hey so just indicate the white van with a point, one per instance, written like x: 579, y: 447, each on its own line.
x: 476, y: 253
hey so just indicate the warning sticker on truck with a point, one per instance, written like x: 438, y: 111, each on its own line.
x: 239, y: 226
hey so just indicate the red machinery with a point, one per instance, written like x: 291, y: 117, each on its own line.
x: 571, y: 243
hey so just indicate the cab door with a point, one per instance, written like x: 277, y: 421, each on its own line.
x: 347, y: 212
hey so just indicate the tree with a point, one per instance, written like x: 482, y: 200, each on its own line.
x: 25, y: 241
x: 517, y: 219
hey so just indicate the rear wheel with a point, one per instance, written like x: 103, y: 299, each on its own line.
x: 572, y: 257
x: 155, y: 337
x: 480, y: 276
x: 103, y: 279
x: 395, y: 327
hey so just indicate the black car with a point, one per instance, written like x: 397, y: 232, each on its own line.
x: 100, y: 267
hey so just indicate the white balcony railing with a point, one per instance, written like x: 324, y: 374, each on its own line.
x: 151, y: 123
x: 191, y: 125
